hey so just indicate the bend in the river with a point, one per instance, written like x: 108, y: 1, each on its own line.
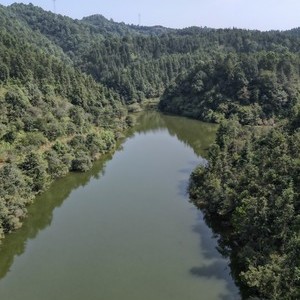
x: 125, y: 229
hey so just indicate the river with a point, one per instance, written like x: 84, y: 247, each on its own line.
x: 125, y: 229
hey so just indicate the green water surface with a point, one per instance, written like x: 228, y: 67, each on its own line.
x: 123, y: 231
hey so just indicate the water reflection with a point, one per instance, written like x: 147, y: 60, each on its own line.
x: 41, y: 215
x: 223, y: 246
x: 219, y: 267
x: 186, y: 130
x: 41, y: 212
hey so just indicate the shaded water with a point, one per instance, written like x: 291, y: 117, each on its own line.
x: 125, y: 230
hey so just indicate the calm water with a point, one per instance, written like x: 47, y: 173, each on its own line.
x: 125, y: 230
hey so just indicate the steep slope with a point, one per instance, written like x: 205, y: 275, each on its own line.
x: 129, y: 59
x: 251, y: 189
x: 53, y: 118
x: 141, y: 62
x: 256, y: 88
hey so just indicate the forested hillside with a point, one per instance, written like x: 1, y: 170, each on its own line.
x: 252, y: 185
x: 141, y: 62
x: 257, y: 88
x: 54, y: 118
x: 64, y: 86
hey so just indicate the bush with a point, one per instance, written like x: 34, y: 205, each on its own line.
x: 81, y: 163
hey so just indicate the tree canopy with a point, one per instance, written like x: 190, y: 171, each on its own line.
x: 64, y: 87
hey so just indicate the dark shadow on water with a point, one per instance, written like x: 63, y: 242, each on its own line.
x: 191, y: 165
x: 184, y: 184
x: 216, y: 270
x: 185, y: 171
x: 228, y: 250
x: 183, y: 188
x: 208, y: 238
x: 217, y: 265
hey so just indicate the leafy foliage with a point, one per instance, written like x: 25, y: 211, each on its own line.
x: 53, y: 118
x: 63, y: 86
x: 252, y: 184
x: 141, y: 62
x: 256, y: 88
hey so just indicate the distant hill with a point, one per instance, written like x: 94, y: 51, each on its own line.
x: 140, y: 62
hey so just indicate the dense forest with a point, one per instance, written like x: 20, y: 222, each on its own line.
x: 252, y: 186
x: 141, y: 62
x: 66, y: 86
x: 257, y: 88
x: 54, y: 118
